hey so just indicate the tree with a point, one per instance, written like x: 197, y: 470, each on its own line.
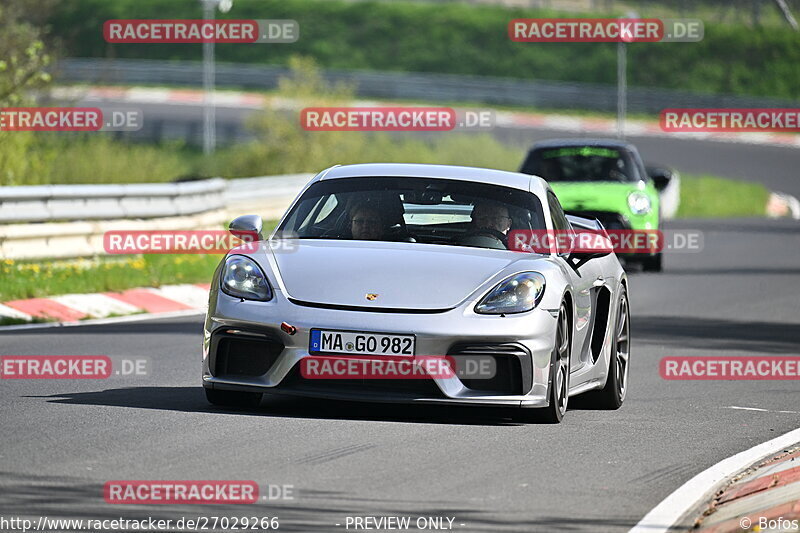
x: 23, y: 60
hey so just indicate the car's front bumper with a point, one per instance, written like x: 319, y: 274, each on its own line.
x: 268, y: 358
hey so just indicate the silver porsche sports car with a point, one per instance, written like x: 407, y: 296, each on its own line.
x: 379, y: 265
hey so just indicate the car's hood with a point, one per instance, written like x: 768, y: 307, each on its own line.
x: 595, y: 196
x: 402, y: 275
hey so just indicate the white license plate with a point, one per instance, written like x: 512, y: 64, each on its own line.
x: 360, y: 343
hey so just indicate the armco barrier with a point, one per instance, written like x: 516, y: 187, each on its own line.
x: 93, y: 202
x: 61, y: 221
x: 85, y: 239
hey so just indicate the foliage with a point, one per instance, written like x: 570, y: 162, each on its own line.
x: 457, y: 38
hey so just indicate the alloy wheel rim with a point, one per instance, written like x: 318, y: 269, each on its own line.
x: 562, y: 362
x: 623, y: 347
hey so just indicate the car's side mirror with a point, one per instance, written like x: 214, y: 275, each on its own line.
x: 247, y: 227
x: 578, y: 259
x: 660, y: 176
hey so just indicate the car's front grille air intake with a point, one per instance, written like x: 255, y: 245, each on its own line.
x: 237, y: 355
x: 512, y: 362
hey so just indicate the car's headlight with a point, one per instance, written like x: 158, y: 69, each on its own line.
x: 517, y: 294
x: 243, y: 278
x: 639, y: 203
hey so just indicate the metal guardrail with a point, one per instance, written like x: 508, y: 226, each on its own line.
x: 59, y: 221
x: 244, y: 190
x: 48, y: 203
x: 406, y: 85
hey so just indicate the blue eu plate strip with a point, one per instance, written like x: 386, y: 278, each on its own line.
x: 315, y: 340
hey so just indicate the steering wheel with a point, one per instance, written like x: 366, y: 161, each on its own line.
x: 488, y: 232
x: 400, y: 234
x: 332, y: 233
x: 616, y: 175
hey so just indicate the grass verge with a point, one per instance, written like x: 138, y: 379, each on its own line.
x: 35, y: 279
x: 704, y: 196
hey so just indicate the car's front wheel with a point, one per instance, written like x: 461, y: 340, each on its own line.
x: 229, y: 398
x: 558, y: 388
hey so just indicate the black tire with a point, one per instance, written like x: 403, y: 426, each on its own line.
x: 558, y: 386
x: 613, y: 394
x: 652, y: 263
x: 229, y: 398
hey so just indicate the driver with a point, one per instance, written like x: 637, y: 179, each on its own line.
x: 492, y: 216
x: 366, y: 223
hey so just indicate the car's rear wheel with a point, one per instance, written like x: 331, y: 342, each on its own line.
x: 229, y: 398
x: 613, y: 394
x: 558, y: 388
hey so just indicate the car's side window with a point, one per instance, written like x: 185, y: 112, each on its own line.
x: 560, y: 221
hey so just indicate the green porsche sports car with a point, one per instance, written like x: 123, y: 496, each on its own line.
x: 601, y: 178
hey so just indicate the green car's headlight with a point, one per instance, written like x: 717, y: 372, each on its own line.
x: 517, y: 294
x: 243, y: 278
x: 639, y: 203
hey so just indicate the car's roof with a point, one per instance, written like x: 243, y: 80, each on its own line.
x: 589, y: 141
x: 524, y: 182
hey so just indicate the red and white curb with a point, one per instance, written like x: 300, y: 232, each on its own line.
x: 517, y: 119
x: 154, y: 95
x: 764, y: 499
x: 79, y: 307
x: 637, y: 128
x: 703, y: 487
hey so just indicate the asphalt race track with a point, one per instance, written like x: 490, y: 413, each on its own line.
x: 597, y: 471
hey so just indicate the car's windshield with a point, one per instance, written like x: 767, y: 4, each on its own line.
x: 416, y: 210
x: 581, y: 163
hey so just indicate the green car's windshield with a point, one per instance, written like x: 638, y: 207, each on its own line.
x: 581, y: 163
